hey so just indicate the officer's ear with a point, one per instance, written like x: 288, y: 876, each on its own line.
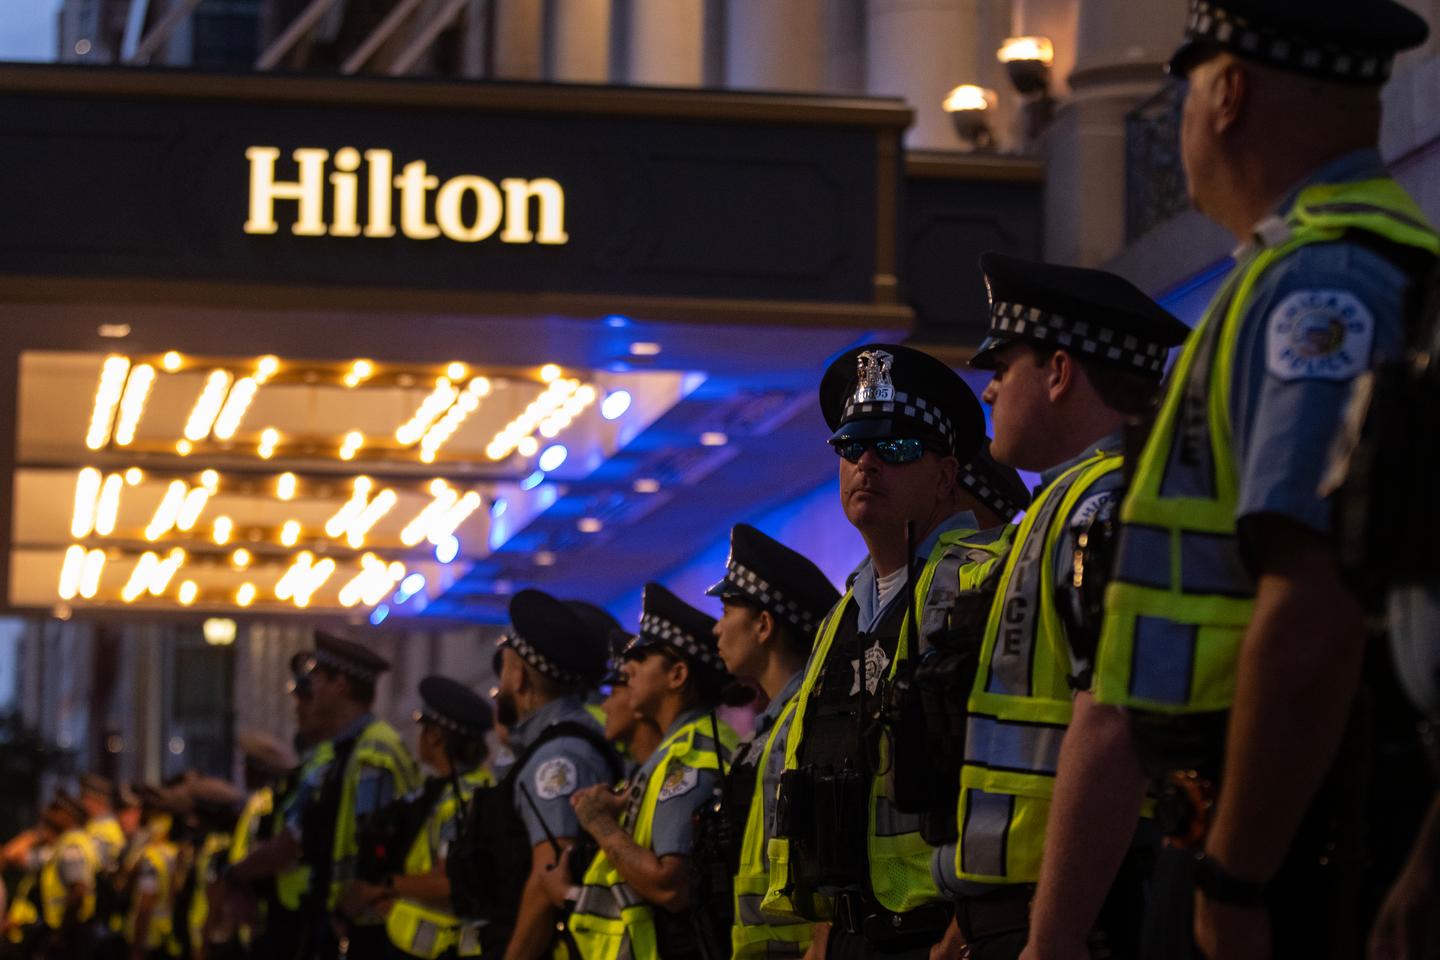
x: 678, y: 675
x: 764, y: 626
x: 1225, y: 90
x: 949, y: 473
x: 1060, y: 373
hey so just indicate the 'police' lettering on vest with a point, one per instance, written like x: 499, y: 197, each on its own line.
x: 466, y: 209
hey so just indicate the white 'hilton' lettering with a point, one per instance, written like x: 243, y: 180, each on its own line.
x: 505, y: 208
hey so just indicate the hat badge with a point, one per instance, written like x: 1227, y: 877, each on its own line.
x: 872, y: 371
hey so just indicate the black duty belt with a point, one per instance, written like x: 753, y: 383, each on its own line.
x: 856, y: 913
x: 1006, y: 910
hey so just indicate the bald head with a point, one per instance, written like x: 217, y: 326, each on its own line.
x: 1250, y: 132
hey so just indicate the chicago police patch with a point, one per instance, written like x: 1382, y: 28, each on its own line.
x: 679, y: 780
x: 1319, y: 335
x: 556, y: 778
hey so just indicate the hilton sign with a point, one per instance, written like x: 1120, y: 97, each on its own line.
x: 505, y: 208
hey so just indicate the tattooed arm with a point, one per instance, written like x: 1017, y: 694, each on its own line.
x: 664, y: 881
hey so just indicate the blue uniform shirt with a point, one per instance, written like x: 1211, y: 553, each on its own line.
x: 1316, y: 319
x: 775, y: 762
x: 863, y: 581
x: 556, y: 770
x: 684, y: 791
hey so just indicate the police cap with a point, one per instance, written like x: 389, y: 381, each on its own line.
x: 347, y: 657
x: 999, y: 487
x: 213, y: 795
x: 1347, y: 41
x: 1097, y: 316
x: 769, y: 574
x: 884, y: 390
x: 452, y: 706
x: 667, y: 622
x: 551, y: 637
x: 66, y: 803
x: 266, y: 751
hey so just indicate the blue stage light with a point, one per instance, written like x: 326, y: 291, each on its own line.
x: 533, y: 481
x: 498, y: 508
x: 447, y: 549
x: 617, y: 321
x: 411, y: 585
x: 378, y: 615
x: 615, y: 404
x: 552, y: 457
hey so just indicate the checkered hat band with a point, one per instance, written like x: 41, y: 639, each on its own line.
x: 350, y: 668
x: 444, y: 722
x: 908, y: 406
x: 759, y: 589
x: 531, y: 655
x: 664, y: 630
x: 1079, y: 336
x: 1209, y: 21
x: 980, y: 485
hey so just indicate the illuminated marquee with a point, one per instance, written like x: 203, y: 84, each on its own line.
x: 508, y: 204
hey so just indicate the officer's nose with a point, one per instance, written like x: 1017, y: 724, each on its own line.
x: 988, y: 396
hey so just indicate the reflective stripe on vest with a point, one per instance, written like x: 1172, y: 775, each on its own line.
x: 756, y: 934
x: 378, y: 747
x: 1021, y: 703
x: 215, y: 843
x: 610, y: 921
x: 22, y: 912
x: 247, y: 828
x: 899, y: 857
x: 417, y: 929
x: 1181, y: 597
x: 54, y: 891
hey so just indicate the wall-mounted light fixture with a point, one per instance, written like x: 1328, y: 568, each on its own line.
x: 1027, y: 60
x: 969, y: 107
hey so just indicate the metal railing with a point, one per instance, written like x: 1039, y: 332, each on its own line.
x: 1154, y: 177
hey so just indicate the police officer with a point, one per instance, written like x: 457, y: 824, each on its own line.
x: 154, y: 876
x: 405, y: 848
x: 97, y: 794
x: 216, y: 812
x: 419, y: 915
x: 1074, y: 355
x: 270, y: 879
x: 773, y: 601
x: 268, y: 764
x: 26, y: 853
x: 549, y: 658
x: 365, y: 767
x: 635, y: 737
x: 903, y: 423
x: 636, y: 895
x: 1228, y: 609
x: 68, y: 881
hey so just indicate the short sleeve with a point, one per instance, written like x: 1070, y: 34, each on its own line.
x: 551, y: 775
x: 682, y: 792
x: 1316, y: 321
x: 374, y: 788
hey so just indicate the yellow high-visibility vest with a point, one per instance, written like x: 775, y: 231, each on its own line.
x: 1021, y: 703
x: 54, y: 891
x: 611, y: 921
x: 425, y: 931
x: 1171, y: 637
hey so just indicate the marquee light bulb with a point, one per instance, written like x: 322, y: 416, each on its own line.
x: 172, y: 361
x: 285, y: 486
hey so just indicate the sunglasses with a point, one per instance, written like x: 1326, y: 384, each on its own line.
x: 896, y: 451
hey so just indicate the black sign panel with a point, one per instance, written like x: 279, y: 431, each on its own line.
x: 135, y: 187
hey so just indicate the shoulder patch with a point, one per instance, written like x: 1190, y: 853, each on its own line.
x: 679, y: 780
x: 1089, y: 508
x: 1319, y: 335
x: 556, y: 777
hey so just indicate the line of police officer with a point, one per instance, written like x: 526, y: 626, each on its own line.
x: 977, y: 749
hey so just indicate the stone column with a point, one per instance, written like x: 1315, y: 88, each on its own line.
x: 920, y: 50
x: 580, y: 41
x: 775, y: 46
x: 518, y: 47
x: 666, y: 42
x: 1120, y: 52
